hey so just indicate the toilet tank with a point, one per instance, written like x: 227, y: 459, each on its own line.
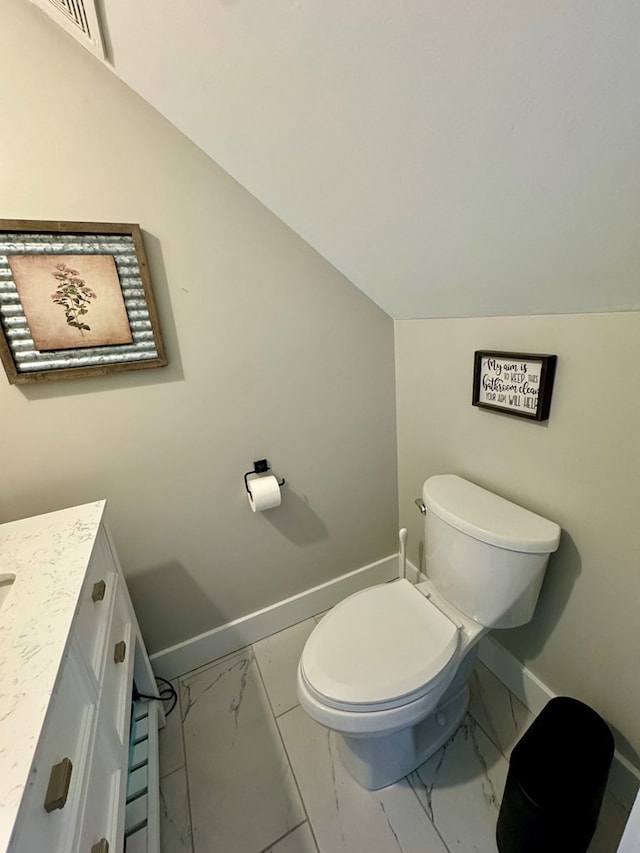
x: 486, y: 555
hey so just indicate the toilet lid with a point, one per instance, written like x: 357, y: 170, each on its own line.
x: 378, y: 645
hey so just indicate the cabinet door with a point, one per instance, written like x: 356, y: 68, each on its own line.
x: 49, y: 811
x: 115, y: 700
x: 96, y: 597
x: 101, y: 816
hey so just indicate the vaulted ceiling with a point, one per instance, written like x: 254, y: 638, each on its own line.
x: 461, y: 158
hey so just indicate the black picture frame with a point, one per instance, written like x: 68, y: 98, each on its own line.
x: 515, y: 383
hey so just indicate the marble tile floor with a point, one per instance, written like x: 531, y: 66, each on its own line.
x: 244, y: 770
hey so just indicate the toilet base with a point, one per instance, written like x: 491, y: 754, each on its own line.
x: 376, y: 762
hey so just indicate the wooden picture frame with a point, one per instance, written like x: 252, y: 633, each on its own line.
x: 75, y: 301
x: 516, y: 383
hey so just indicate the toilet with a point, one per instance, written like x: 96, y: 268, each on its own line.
x: 387, y: 669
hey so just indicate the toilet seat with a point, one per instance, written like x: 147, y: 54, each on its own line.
x: 378, y: 649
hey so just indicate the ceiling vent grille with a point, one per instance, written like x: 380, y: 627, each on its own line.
x: 77, y: 17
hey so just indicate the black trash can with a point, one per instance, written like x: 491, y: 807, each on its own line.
x: 556, y: 781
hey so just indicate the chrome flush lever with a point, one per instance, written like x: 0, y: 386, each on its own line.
x: 420, y: 504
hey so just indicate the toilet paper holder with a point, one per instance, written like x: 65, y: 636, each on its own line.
x: 260, y: 466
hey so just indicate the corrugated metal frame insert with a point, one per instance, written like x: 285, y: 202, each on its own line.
x: 23, y: 361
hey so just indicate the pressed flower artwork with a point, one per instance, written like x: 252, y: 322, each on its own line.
x: 71, y: 301
x: 73, y: 295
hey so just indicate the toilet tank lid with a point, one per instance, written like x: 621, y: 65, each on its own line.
x: 488, y: 517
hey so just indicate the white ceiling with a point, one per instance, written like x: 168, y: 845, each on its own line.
x: 450, y: 158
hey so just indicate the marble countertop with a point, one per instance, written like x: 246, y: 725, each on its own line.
x: 48, y: 555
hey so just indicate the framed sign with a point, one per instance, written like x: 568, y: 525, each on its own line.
x: 75, y: 300
x: 514, y: 382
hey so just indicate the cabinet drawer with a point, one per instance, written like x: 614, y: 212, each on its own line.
x: 105, y: 799
x: 116, y: 688
x: 66, y: 738
x: 95, y: 603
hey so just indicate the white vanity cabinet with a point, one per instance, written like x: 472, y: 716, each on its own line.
x: 69, y: 793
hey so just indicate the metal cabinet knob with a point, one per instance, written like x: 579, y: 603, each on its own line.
x: 98, y: 591
x: 101, y: 846
x: 119, y: 652
x: 58, y: 788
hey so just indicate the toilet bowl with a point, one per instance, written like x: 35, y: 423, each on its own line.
x: 387, y: 668
x: 378, y: 664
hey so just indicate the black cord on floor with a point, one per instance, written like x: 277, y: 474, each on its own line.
x: 166, y: 694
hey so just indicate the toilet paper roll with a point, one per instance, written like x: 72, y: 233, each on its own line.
x: 264, y: 493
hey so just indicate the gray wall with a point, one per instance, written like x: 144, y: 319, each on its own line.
x: 272, y: 353
x: 581, y: 469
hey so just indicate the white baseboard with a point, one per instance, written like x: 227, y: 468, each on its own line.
x: 526, y: 686
x: 176, y: 660
x: 413, y: 574
x: 624, y: 778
